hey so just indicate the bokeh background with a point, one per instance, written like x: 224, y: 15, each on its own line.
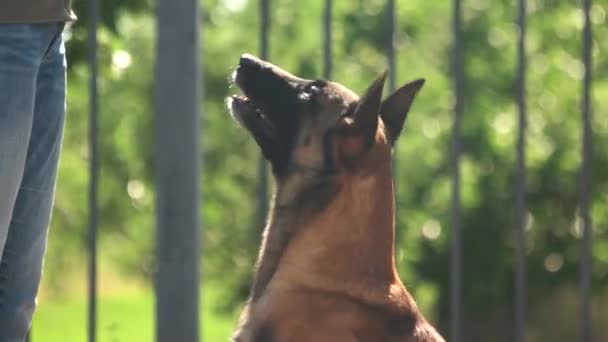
x: 229, y: 177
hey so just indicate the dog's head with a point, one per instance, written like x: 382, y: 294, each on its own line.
x: 315, y: 129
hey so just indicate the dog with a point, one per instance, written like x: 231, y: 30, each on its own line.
x: 326, y: 267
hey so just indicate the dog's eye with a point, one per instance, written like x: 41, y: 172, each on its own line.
x: 304, y: 95
x: 308, y: 92
x: 314, y: 87
x: 318, y: 84
x: 311, y: 90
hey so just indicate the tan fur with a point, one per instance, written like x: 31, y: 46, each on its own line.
x: 326, y: 268
x: 306, y: 161
x: 320, y: 284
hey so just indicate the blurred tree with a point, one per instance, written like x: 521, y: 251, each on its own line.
x: 423, y: 41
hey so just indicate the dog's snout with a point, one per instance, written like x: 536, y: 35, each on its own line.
x: 266, y: 84
x: 250, y: 61
x: 256, y: 67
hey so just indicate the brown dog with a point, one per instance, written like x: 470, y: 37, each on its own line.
x: 326, y: 269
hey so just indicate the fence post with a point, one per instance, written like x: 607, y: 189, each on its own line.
x: 390, y: 47
x: 392, y: 72
x: 585, y: 177
x: 520, y: 234
x: 93, y: 168
x: 262, y: 169
x: 327, y: 55
x: 177, y: 96
x: 456, y: 239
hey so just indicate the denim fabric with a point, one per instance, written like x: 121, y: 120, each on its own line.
x: 32, y: 111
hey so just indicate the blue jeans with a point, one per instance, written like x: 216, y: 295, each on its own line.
x: 32, y: 111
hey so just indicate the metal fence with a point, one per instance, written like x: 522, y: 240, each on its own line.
x: 177, y: 174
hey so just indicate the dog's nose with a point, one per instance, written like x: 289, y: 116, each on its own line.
x: 251, y: 66
x: 248, y: 60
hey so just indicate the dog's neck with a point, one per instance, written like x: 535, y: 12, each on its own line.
x: 347, y: 247
x: 359, y: 219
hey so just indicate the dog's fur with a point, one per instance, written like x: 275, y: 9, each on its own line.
x: 326, y: 269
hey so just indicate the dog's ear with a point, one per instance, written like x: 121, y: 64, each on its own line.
x: 394, y: 109
x: 358, y: 130
x: 366, y: 113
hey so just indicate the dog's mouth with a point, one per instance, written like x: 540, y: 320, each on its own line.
x: 246, y: 112
x: 268, y: 95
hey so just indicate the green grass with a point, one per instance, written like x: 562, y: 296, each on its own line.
x: 121, y: 318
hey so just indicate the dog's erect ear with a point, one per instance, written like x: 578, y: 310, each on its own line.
x: 395, y: 108
x: 366, y: 114
x: 358, y: 130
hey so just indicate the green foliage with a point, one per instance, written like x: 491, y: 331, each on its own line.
x: 121, y: 317
x: 424, y: 38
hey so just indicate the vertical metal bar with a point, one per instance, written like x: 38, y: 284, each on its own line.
x: 390, y: 48
x: 93, y: 168
x: 327, y: 55
x: 585, y: 177
x: 520, y: 243
x: 264, y: 27
x: 392, y: 71
x: 262, y: 169
x: 456, y: 240
x: 177, y: 170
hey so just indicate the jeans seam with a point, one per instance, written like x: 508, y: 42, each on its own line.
x: 54, y: 40
x: 38, y: 191
x: 3, y: 277
x: 17, y: 221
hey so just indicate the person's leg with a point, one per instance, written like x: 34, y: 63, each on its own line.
x: 21, y: 265
x: 18, y: 69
